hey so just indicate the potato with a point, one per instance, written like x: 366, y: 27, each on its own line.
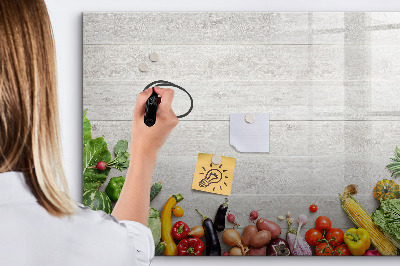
x: 248, y: 233
x: 273, y: 228
x: 258, y: 251
x: 260, y: 239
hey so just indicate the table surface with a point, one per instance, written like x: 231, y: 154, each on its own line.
x: 329, y: 80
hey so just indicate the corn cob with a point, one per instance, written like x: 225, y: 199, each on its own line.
x: 362, y: 218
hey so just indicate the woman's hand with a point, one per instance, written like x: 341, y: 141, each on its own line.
x: 133, y: 203
x: 148, y: 140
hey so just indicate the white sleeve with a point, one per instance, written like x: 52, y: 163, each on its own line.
x: 142, y: 239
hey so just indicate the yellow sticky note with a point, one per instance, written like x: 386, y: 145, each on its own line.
x: 214, y: 178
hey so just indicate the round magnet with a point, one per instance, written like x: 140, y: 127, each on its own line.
x: 216, y: 159
x: 153, y: 57
x: 143, y: 67
x: 250, y: 118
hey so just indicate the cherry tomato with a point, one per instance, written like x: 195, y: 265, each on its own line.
x: 324, y: 249
x: 312, y: 237
x: 335, y: 237
x: 313, y: 208
x: 178, y: 211
x: 323, y: 224
x: 342, y: 250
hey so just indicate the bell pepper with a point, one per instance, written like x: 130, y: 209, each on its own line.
x: 180, y: 230
x: 191, y: 247
x: 114, y: 187
x: 357, y: 240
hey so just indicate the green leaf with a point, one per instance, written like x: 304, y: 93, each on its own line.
x: 94, y: 150
x: 394, y: 167
x: 121, y: 147
x: 120, y: 161
x: 87, y: 129
x: 94, y: 178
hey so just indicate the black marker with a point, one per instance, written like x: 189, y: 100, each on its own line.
x: 151, y: 109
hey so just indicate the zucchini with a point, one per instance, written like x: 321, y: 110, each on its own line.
x: 160, y: 248
x: 155, y: 189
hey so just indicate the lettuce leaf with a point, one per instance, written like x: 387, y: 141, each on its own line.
x: 87, y: 129
x: 387, y: 218
x: 95, y: 150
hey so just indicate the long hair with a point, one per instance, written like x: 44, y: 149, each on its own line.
x: 29, y: 120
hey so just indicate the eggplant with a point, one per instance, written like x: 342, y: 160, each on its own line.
x: 278, y: 247
x: 302, y: 248
x: 219, y: 221
x: 213, y: 247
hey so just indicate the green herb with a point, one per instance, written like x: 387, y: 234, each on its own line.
x: 394, y: 167
x: 120, y: 161
x: 387, y: 218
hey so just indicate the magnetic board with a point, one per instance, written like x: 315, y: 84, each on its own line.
x: 329, y: 82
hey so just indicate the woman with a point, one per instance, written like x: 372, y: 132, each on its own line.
x: 39, y: 223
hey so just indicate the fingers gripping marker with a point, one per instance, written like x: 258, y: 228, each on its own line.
x: 151, y: 103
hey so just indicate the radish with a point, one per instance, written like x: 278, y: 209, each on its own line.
x: 101, y: 166
x: 231, y: 219
x: 254, y: 215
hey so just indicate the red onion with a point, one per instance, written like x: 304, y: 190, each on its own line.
x: 372, y: 253
x: 278, y: 247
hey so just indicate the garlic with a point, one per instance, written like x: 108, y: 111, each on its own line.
x: 291, y: 220
x: 281, y: 218
x: 288, y: 214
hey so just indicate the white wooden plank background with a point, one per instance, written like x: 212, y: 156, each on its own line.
x: 330, y: 82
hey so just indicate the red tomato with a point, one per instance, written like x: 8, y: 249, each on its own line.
x: 323, y: 224
x: 313, y: 208
x: 312, y: 237
x: 324, y: 249
x: 342, y: 250
x: 335, y: 237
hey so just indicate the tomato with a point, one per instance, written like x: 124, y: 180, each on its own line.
x: 342, y: 250
x: 335, y: 237
x: 313, y: 208
x: 178, y: 211
x: 312, y: 237
x: 324, y: 249
x: 323, y: 224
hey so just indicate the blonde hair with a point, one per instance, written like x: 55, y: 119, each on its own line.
x: 29, y: 122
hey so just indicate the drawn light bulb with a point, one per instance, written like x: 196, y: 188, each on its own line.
x: 212, y: 176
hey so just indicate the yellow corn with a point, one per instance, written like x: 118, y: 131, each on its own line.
x: 362, y: 218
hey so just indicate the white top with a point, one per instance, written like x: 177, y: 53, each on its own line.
x: 31, y: 236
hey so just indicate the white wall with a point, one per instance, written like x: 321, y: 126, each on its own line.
x: 67, y: 24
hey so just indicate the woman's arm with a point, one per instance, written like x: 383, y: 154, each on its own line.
x: 133, y: 203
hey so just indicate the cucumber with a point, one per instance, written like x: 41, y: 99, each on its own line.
x: 155, y: 189
x: 160, y: 248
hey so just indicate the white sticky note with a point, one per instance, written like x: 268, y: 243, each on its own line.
x: 249, y: 137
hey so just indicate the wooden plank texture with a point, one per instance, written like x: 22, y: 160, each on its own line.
x: 235, y: 27
x: 241, y: 62
x: 330, y: 82
x: 284, y: 100
x: 303, y: 155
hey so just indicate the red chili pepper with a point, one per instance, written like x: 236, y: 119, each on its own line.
x: 180, y: 230
x: 190, y: 247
